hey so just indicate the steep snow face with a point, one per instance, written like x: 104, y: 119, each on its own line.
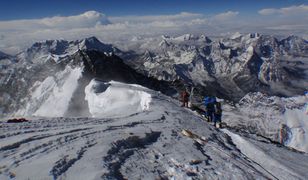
x: 58, y: 101
x: 116, y: 99
x: 51, y: 97
x: 264, y: 115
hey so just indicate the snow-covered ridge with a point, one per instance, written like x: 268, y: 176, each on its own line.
x: 114, y: 99
x: 148, y: 144
x: 52, y: 97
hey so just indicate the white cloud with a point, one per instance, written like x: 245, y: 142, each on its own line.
x: 286, y: 11
x: 19, y: 34
x: 267, y: 11
x: 144, y: 19
x: 87, y: 19
x: 226, y: 15
x: 287, y: 20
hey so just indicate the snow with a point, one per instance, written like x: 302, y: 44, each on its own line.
x: 236, y: 35
x: 264, y: 115
x: 137, y: 136
x: 117, y: 99
x: 277, y: 167
x: 135, y: 133
x: 297, y: 121
x: 51, y: 97
x: 57, y: 103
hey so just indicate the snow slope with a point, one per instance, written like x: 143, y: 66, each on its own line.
x: 51, y: 97
x: 272, y: 158
x: 297, y: 121
x: 115, y: 99
x: 147, y: 144
x: 262, y: 114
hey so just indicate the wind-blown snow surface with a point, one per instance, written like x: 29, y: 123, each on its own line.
x: 106, y: 99
x: 146, y: 144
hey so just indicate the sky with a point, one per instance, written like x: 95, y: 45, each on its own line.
x: 24, y: 22
x: 21, y: 9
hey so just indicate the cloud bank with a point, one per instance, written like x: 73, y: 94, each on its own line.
x: 287, y: 11
x: 19, y: 34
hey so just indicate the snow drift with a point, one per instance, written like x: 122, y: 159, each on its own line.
x: 116, y: 99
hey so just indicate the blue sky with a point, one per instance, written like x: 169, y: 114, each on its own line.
x: 31, y: 9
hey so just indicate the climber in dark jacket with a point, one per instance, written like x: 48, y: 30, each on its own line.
x: 209, y: 103
x: 217, y: 113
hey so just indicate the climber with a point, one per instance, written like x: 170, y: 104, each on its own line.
x: 209, y: 104
x: 217, y: 114
x: 184, y: 98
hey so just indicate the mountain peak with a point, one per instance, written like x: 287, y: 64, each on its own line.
x: 93, y: 43
x: 92, y: 39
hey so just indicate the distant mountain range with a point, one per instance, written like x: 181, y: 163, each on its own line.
x: 225, y: 67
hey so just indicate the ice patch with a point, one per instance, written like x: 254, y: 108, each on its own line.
x: 116, y: 99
